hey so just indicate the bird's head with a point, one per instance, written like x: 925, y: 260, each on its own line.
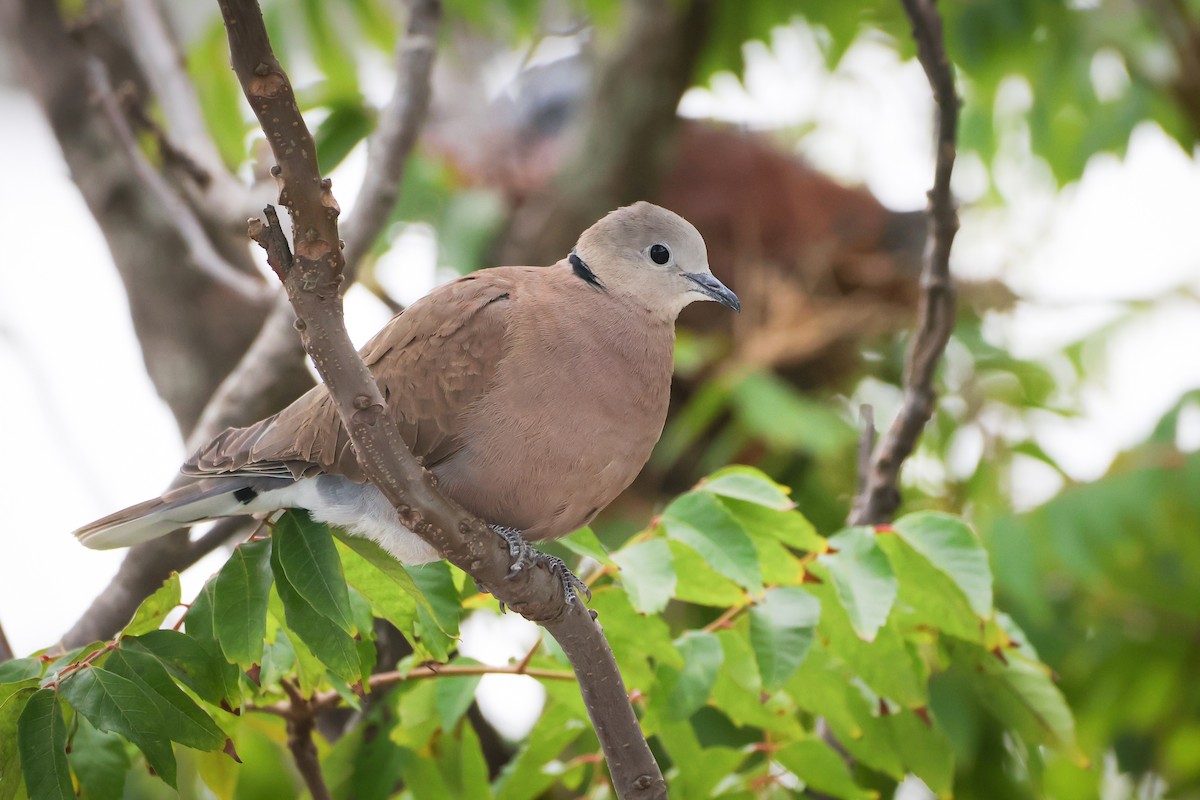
x: 646, y: 252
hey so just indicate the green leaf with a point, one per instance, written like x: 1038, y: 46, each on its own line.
x: 780, y: 566
x: 738, y: 691
x: 928, y: 597
x: 186, y: 722
x: 346, y: 126
x: 775, y: 411
x: 525, y: 777
x: 42, y: 741
x: 465, y: 767
x: 749, y: 484
x: 422, y: 777
x: 926, y: 751
x: 781, y: 631
x: 648, y: 574
x: 700, y: 521
x: 696, y: 582
x: 417, y: 708
x: 437, y: 622
x: 240, y: 595
x: 310, y: 672
x: 278, y: 659
x: 220, y: 95
x: 642, y: 645
x: 13, y: 697
x: 1022, y: 694
x: 453, y: 695
x: 113, y: 703
x: 701, y: 769
x: 304, y: 550
x: 99, y: 760
x: 585, y: 543
x: 789, y: 527
x: 198, y: 621
x: 20, y: 669
x: 203, y: 671
x: 328, y: 641
x: 328, y: 48
x: 863, y: 579
x: 386, y: 563
x: 954, y: 549
x: 689, y: 687
x: 821, y: 769
x: 154, y: 609
x: 888, y: 665
x: 392, y: 593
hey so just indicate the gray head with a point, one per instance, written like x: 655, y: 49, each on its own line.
x: 651, y: 254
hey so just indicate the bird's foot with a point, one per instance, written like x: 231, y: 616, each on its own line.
x: 526, y: 555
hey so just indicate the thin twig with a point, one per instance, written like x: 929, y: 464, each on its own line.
x: 203, y: 255
x: 300, y: 726
x: 866, y: 446
x: 396, y: 133
x: 157, y: 52
x: 172, y: 154
x: 381, y: 681
x: 313, y: 285
x: 880, y: 496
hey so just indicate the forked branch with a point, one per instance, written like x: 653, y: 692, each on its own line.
x: 879, y: 493
x: 312, y: 283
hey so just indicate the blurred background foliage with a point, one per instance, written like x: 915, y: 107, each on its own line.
x: 1102, y: 577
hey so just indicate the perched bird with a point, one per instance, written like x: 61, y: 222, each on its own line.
x: 533, y: 394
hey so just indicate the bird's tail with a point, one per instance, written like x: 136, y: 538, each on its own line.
x: 179, y: 508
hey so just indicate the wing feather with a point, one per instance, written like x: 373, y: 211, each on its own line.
x: 432, y: 362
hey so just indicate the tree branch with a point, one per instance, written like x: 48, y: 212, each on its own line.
x: 396, y: 133
x: 192, y: 331
x: 203, y: 255
x: 270, y: 374
x: 300, y: 742
x: 157, y: 52
x: 313, y: 284
x: 380, y: 681
x: 880, y: 494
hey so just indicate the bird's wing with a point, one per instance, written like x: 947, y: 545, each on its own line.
x: 432, y: 362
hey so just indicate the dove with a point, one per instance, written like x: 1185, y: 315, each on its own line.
x: 534, y: 395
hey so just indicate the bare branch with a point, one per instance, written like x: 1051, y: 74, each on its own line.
x: 157, y: 52
x: 380, y: 681
x: 313, y: 285
x: 396, y: 133
x: 191, y: 330
x: 300, y: 723
x: 866, y: 447
x: 880, y: 494
x: 203, y: 255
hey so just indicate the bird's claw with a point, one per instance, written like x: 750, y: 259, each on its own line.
x: 526, y: 555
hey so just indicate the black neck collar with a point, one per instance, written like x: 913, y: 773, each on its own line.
x: 584, y: 271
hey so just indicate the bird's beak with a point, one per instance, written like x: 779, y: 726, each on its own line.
x: 713, y: 289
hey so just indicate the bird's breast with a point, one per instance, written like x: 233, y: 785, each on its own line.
x: 569, y: 424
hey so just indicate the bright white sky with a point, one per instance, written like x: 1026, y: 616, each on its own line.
x: 84, y: 433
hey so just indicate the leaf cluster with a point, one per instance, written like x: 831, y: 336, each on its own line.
x: 757, y: 652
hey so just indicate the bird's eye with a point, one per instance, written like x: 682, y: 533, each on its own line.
x: 660, y: 254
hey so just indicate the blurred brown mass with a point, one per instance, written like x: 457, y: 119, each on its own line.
x: 821, y: 267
